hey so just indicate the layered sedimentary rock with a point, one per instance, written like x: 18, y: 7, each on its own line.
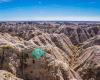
x: 4, y: 75
x: 62, y: 59
x: 77, y: 32
x: 18, y: 56
x: 88, y: 63
x: 91, y: 42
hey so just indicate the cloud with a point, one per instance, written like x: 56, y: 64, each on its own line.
x: 67, y: 18
x: 70, y: 18
x: 2, y: 1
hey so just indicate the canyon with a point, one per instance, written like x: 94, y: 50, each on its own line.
x: 72, y: 50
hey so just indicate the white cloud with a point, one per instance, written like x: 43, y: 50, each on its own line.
x: 67, y: 18
x: 70, y: 18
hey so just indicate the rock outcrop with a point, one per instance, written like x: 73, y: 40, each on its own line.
x: 88, y: 64
x: 58, y: 54
x: 4, y: 75
x: 91, y: 42
x: 64, y: 59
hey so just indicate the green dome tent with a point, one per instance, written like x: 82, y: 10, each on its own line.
x: 37, y: 52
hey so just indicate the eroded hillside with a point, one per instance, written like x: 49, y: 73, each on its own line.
x: 72, y: 51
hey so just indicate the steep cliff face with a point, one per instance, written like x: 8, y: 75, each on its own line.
x: 91, y: 42
x: 88, y: 63
x: 62, y: 60
x: 79, y: 34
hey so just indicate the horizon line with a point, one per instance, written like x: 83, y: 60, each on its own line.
x: 49, y: 20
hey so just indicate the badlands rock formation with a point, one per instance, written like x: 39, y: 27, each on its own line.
x: 72, y: 50
x: 4, y: 75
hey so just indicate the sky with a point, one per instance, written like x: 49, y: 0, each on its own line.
x: 53, y: 10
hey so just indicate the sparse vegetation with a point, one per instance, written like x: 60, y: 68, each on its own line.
x: 3, y: 54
